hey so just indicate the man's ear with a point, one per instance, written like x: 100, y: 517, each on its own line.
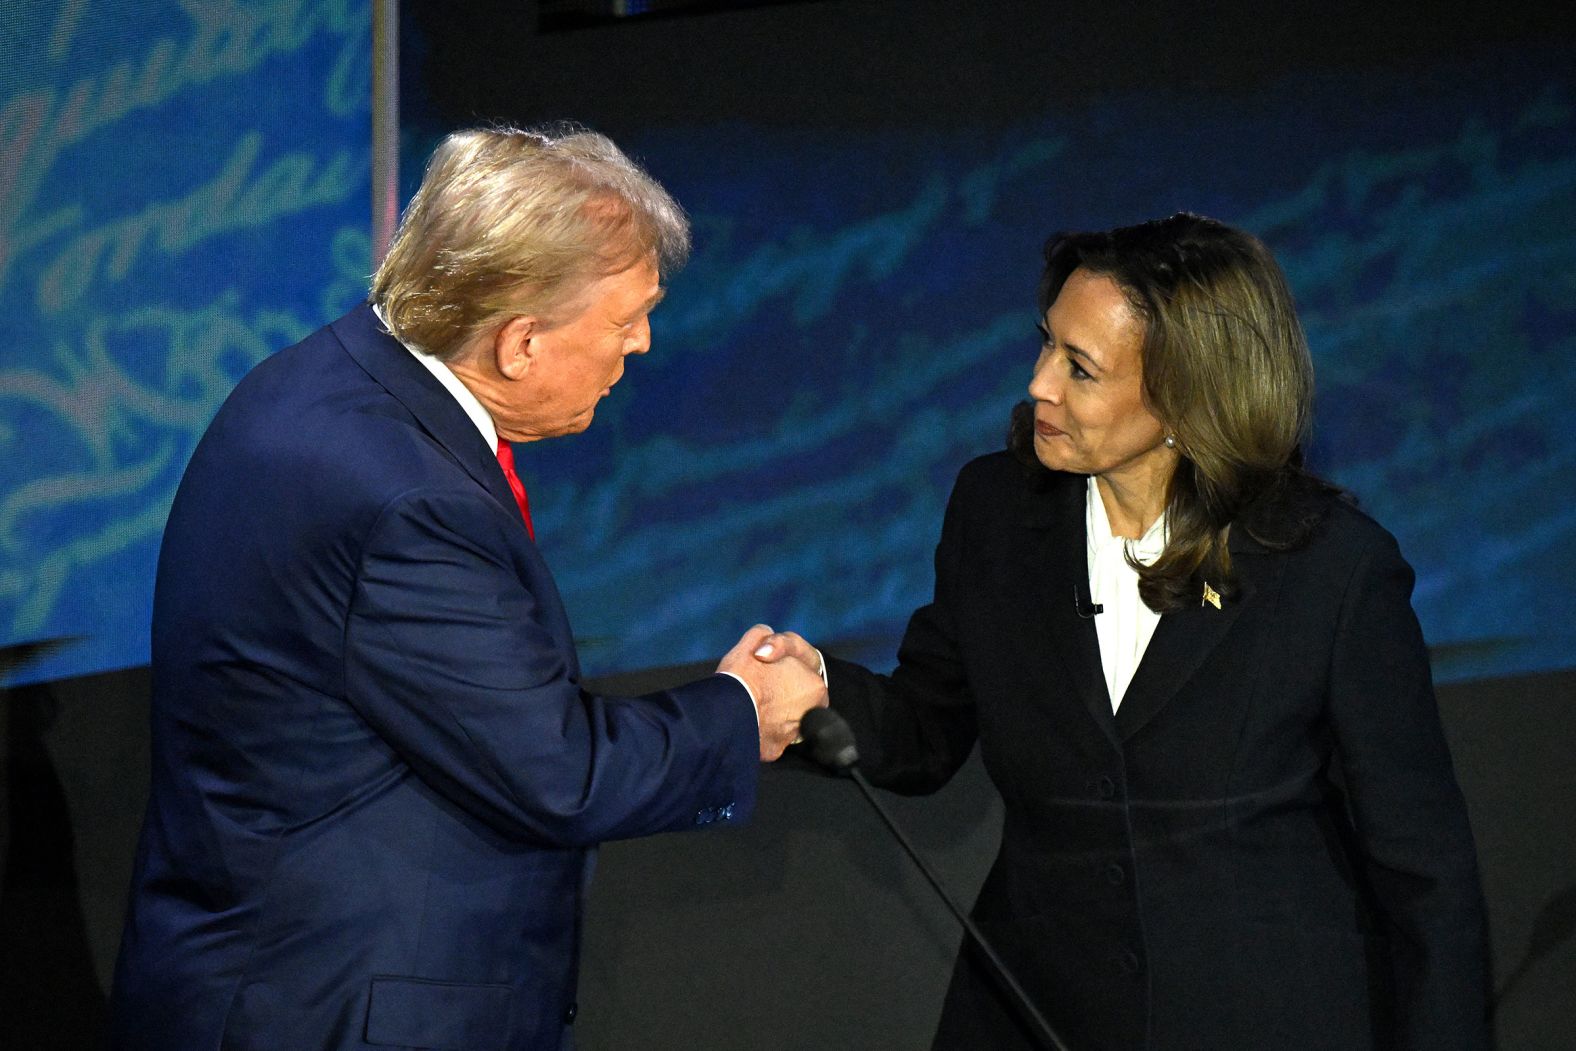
x: 516, y: 346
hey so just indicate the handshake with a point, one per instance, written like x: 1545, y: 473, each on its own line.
x: 784, y: 673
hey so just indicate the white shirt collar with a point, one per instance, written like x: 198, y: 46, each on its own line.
x: 451, y: 383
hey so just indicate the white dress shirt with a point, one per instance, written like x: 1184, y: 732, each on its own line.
x: 1125, y: 625
x: 451, y: 383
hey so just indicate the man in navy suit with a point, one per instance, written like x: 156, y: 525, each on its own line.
x: 377, y: 783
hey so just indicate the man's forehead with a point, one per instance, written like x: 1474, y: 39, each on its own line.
x: 640, y: 283
x: 627, y: 288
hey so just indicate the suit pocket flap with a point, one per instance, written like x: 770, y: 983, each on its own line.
x: 442, y: 1016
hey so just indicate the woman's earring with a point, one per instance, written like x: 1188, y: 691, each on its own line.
x: 1171, y: 441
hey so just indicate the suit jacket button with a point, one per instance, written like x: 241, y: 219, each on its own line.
x: 1115, y: 874
x: 1107, y: 788
x: 570, y: 1012
x: 1128, y: 959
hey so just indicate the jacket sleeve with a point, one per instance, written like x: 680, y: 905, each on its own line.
x: 448, y: 658
x: 1410, y: 816
x: 916, y: 727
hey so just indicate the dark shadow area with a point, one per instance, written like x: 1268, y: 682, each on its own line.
x: 1511, y: 740
x: 557, y: 15
x: 49, y: 995
x: 812, y: 900
x: 1552, y: 931
x: 73, y: 783
x: 815, y: 895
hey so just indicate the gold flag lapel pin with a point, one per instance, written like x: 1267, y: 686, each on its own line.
x: 1211, y: 596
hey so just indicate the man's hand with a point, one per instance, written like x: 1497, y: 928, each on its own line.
x: 782, y: 645
x: 784, y: 689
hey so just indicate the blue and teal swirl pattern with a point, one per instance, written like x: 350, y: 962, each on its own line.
x: 183, y: 189
x: 182, y: 198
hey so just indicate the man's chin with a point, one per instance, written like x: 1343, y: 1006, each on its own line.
x: 574, y: 425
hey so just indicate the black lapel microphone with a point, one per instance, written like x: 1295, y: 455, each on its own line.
x: 832, y: 745
x: 1086, y: 610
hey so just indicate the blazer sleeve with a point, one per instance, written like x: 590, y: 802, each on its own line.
x: 449, y: 660
x: 916, y: 727
x: 1410, y: 816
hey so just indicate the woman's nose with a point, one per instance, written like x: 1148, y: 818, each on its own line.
x: 1043, y: 385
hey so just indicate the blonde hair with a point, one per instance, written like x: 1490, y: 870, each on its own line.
x: 515, y: 221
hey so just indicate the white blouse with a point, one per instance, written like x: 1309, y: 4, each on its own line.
x: 1125, y: 625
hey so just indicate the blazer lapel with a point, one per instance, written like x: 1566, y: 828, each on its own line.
x: 1183, y: 639
x: 1056, y: 512
x: 390, y: 364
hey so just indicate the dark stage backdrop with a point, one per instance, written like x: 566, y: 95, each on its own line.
x: 871, y: 183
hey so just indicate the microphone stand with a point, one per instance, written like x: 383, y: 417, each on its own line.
x: 1041, y: 1030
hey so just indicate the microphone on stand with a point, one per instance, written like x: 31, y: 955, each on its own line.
x: 832, y: 745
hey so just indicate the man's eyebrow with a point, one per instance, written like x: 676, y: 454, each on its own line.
x: 656, y: 297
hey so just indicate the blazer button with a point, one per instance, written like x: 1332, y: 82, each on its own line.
x: 571, y: 1012
x: 1107, y: 788
x: 1115, y: 874
x: 1128, y: 960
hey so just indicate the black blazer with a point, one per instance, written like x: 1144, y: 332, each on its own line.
x: 1265, y: 847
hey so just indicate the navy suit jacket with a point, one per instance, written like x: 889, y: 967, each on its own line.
x: 377, y: 782
x: 1264, y: 847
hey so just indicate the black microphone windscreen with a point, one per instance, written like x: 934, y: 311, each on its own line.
x: 830, y: 738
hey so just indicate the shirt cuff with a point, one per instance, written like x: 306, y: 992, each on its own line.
x: 754, y: 704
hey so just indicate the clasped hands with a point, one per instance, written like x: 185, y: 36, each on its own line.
x: 784, y: 673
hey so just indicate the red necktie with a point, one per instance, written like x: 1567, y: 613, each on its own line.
x: 517, y: 487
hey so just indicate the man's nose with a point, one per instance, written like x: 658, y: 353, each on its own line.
x: 641, y: 341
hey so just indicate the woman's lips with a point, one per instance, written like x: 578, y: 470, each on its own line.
x: 1045, y: 430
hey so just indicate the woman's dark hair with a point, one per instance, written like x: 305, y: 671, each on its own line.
x: 1226, y: 371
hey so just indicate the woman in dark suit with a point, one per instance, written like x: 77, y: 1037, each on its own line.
x: 1196, y: 679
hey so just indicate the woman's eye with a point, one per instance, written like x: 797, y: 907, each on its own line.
x: 1077, y: 370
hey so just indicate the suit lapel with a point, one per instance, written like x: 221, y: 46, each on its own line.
x: 1055, y: 512
x: 1183, y: 639
x: 391, y: 365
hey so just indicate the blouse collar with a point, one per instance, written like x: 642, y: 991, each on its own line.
x: 1097, y: 526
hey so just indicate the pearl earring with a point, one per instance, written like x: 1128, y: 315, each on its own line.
x: 1171, y: 441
